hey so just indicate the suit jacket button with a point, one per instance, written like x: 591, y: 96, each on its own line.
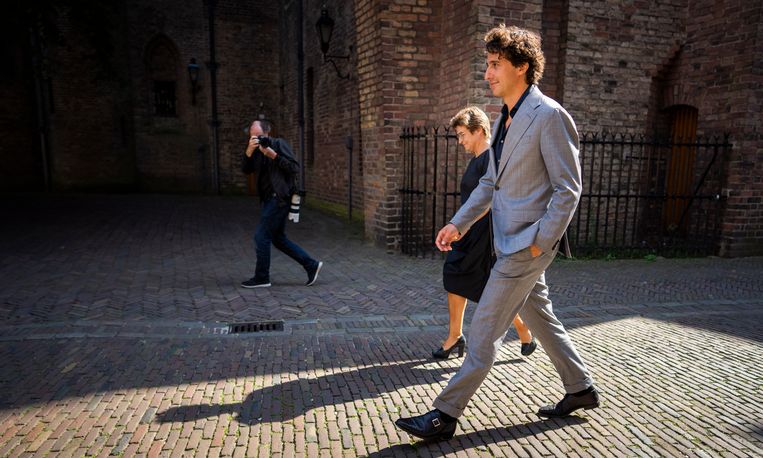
x: 497, y: 188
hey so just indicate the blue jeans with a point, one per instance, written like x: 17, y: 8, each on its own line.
x: 272, y: 231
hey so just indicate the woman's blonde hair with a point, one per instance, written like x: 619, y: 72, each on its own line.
x: 472, y: 118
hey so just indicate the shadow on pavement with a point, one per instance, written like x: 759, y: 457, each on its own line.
x: 286, y: 401
x: 466, y: 442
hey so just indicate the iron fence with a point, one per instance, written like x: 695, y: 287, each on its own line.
x: 640, y: 194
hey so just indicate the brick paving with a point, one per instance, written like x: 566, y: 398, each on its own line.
x: 113, y: 341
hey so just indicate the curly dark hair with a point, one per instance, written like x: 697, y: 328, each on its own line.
x: 517, y: 46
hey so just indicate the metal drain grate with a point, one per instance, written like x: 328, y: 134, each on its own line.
x: 255, y: 326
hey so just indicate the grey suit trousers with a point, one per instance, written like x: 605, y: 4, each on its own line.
x: 516, y: 285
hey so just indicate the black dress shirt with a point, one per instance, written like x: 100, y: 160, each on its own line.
x: 500, y: 135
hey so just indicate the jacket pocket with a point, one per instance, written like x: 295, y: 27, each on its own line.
x: 527, y: 216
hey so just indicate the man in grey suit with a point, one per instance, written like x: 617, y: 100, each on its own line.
x: 532, y: 186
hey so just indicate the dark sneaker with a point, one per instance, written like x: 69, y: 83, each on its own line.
x: 252, y: 283
x: 312, y: 273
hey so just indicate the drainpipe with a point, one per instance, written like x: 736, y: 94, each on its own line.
x: 348, y: 145
x: 300, y: 93
x: 214, y: 122
x: 39, y: 70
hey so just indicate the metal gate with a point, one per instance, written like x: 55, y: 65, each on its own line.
x: 430, y: 195
x: 640, y: 195
x: 650, y: 196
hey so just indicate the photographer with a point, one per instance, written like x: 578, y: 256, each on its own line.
x: 277, y: 171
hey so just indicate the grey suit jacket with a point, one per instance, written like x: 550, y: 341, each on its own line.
x: 536, y: 187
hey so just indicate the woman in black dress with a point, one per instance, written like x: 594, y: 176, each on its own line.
x: 468, y: 265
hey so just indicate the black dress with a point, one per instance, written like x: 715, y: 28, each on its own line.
x: 467, y: 266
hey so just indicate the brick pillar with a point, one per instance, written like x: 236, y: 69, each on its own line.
x: 396, y: 83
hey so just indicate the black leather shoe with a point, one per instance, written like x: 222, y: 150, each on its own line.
x: 529, y: 348
x: 442, y: 353
x: 431, y: 425
x: 571, y: 403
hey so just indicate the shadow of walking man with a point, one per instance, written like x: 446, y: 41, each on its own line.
x: 285, y: 401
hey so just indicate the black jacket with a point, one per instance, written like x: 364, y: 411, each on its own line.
x: 274, y: 176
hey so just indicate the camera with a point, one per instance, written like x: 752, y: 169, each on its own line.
x: 265, y: 142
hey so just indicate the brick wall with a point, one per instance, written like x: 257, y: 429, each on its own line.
x: 554, y: 36
x: 90, y: 141
x: 419, y: 62
x: 399, y: 54
x: 614, y: 65
x: 248, y: 49
x: 21, y: 165
x: 719, y: 72
x: 614, y: 49
x: 625, y: 64
x: 287, y: 117
x: 104, y: 132
x: 330, y: 100
x: 460, y: 61
x: 176, y: 153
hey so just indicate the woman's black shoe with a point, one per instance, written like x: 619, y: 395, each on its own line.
x: 529, y: 348
x: 442, y: 353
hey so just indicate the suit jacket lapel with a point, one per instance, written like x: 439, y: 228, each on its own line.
x: 519, y: 126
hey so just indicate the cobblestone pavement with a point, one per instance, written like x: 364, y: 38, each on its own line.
x: 114, y: 341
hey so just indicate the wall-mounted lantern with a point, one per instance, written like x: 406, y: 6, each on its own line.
x: 325, y: 28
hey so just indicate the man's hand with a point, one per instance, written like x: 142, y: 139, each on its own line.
x: 446, y: 236
x: 263, y: 145
x: 269, y: 152
x: 253, y: 144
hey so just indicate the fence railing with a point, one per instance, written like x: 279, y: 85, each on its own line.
x: 640, y: 194
x: 650, y: 195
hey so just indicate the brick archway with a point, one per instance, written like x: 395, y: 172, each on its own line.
x: 681, y: 93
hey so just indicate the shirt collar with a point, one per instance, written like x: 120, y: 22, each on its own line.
x: 514, y: 110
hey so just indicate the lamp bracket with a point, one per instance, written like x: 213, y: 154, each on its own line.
x: 336, y: 68
x: 330, y: 59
